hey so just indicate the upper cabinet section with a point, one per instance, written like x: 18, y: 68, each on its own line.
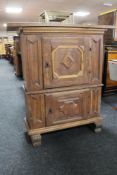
x: 66, y: 60
x: 53, y: 59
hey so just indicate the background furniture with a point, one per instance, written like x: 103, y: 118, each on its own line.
x: 17, y: 57
x: 6, y: 42
x: 109, y: 18
x: 113, y: 70
x: 110, y: 46
x: 109, y: 85
x: 63, y: 74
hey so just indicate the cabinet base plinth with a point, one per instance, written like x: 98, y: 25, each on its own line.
x: 35, y: 134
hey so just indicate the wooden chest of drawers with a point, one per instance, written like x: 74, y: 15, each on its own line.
x: 63, y: 74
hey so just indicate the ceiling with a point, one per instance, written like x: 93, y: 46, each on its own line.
x: 33, y: 8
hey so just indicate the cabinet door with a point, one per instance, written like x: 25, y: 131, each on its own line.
x: 66, y: 61
x: 97, y: 57
x: 35, y: 110
x: 32, y: 62
x: 63, y: 107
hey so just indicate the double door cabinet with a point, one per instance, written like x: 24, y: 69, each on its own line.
x: 62, y: 69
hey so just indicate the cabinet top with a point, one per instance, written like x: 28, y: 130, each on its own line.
x: 21, y: 25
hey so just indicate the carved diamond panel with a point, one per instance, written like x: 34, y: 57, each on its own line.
x: 67, y: 61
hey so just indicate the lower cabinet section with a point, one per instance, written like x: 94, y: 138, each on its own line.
x: 48, y: 109
x: 54, y: 111
x: 67, y: 106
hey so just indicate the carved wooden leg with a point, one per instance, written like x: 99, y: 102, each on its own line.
x: 97, y: 126
x: 36, y: 140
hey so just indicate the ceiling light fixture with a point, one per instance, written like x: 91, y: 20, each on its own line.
x: 108, y: 4
x: 14, y: 10
x: 5, y: 25
x: 80, y: 13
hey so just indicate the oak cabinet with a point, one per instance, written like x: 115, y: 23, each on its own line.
x: 63, y: 74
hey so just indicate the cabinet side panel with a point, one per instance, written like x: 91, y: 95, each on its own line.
x: 97, y: 59
x: 35, y: 110
x: 32, y: 62
x: 95, y: 101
